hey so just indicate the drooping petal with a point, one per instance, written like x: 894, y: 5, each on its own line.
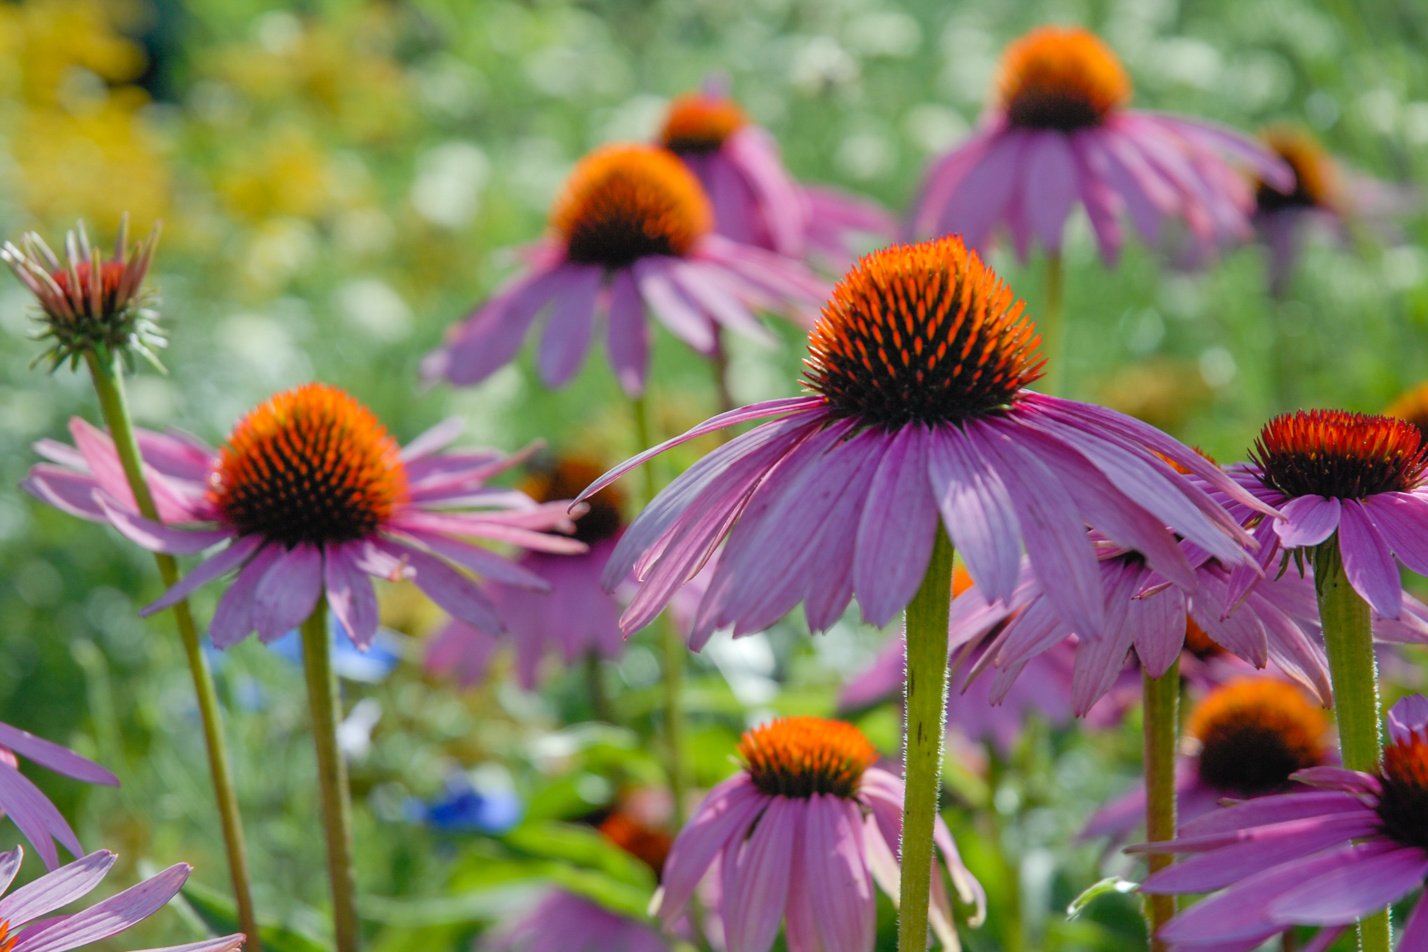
x: 837, y: 875
x: 895, y: 533
x: 35, y: 815
x: 1402, y: 521
x: 1308, y: 520
x: 288, y: 592
x: 53, y: 890
x: 215, y: 566
x: 755, y: 877
x: 1368, y: 563
x: 727, y: 812
x: 569, y: 328
x: 59, y: 759
x: 1363, y: 880
x: 976, y: 510
x: 350, y: 595
x: 110, y: 916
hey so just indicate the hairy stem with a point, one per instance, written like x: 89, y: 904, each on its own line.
x: 1162, y: 732
x: 927, y: 616
x: 114, y: 407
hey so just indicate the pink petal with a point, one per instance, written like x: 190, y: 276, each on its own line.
x: 216, y: 566
x: 1051, y: 186
x: 629, y: 335
x: 1368, y: 563
x: 725, y: 815
x: 1363, y: 880
x: 59, y: 759
x: 112, y: 915
x: 288, y: 592
x: 1308, y: 520
x: 836, y: 875
x: 350, y: 594
x: 55, y: 889
x: 568, y: 329
x: 755, y: 877
x: 35, y: 815
x: 976, y: 510
x: 895, y: 533
x: 1402, y: 521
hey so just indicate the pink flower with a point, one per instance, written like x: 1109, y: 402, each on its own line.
x: 1244, y: 740
x: 756, y: 201
x: 1059, y: 134
x: 632, y: 234
x: 800, y: 837
x: 22, y: 929
x: 918, y: 416
x: 1361, y: 480
x: 27, y: 805
x: 1323, y: 857
x: 309, y: 498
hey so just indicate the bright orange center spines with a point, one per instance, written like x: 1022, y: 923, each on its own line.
x: 1315, y: 178
x: 624, y: 202
x: 1061, y: 78
x: 700, y: 123
x: 803, y: 756
x: 1254, y: 732
x: 921, y: 333
x: 1339, y: 454
x: 566, y: 478
x: 311, y: 465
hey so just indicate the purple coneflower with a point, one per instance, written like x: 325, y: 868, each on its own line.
x: 22, y: 929
x: 27, y: 805
x: 1322, y: 857
x: 1325, y: 197
x: 800, y: 837
x: 1275, y: 621
x: 918, y: 415
x: 563, y: 921
x: 632, y: 233
x: 1059, y: 133
x: 756, y: 201
x: 1245, y: 740
x: 1359, y: 478
x: 570, y: 614
x: 308, y: 498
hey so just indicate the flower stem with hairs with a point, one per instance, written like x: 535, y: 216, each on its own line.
x: 1052, y: 323
x: 1348, y: 638
x: 331, y: 774
x: 1162, y: 732
x: 105, y: 370
x: 927, y: 617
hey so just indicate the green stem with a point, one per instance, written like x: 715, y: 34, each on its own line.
x: 927, y: 615
x: 672, y: 645
x: 599, y: 697
x: 1162, y: 730
x: 719, y: 360
x: 109, y: 386
x: 1348, y: 638
x: 1052, y: 324
x: 1014, y: 927
x: 331, y: 773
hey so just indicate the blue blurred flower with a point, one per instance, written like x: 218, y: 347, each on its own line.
x: 465, y: 807
x: 372, y: 666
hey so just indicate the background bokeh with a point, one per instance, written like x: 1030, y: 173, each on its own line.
x: 339, y: 181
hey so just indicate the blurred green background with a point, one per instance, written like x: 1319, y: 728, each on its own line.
x: 339, y: 181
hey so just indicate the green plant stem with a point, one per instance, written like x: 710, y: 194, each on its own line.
x: 1052, y: 325
x: 672, y: 646
x: 109, y: 386
x: 1162, y: 734
x: 1348, y: 638
x: 1013, y: 933
x: 719, y: 361
x: 331, y: 773
x: 927, y: 615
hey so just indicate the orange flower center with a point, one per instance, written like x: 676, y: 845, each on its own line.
x: 1340, y: 454
x: 111, y: 275
x: 1412, y: 406
x: 803, y: 756
x: 700, y: 123
x: 921, y: 333
x: 645, y: 843
x: 565, y: 479
x: 1200, y: 644
x: 1313, y: 172
x: 1403, y: 802
x: 626, y: 202
x: 1255, y: 732
x: 1055, y: 78
x: 311, y: 465
x: 7, y: 941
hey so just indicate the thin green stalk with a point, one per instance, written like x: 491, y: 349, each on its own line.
x: 927, y: 616
x: 1162, y: 734
x: 109, y: 386
x: 1051, y: 322
x: 719, y: 361
x: 331, y: 774
x: 672, y: 646
x: 599, y: 697
x: 1014, y: 929
x: 1348, y: 638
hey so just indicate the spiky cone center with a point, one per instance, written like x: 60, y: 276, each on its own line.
x: 565, y: 479
x: 802, y: 756
x: 311, y: 465
x: 1314, y: 172
x: 1254, y: 732
x: 7, y: 941
x: 1412, y: 406
x: 1066, y: 79
x: 699, y: 123
x: 1403, y: 801
x: 1340, y: 454
x: 921, y: 333
x: 626, y: 202
x: 646, y: 843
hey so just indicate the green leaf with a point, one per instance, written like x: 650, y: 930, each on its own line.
x: 219, y: 914
x: 1111, y: 885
